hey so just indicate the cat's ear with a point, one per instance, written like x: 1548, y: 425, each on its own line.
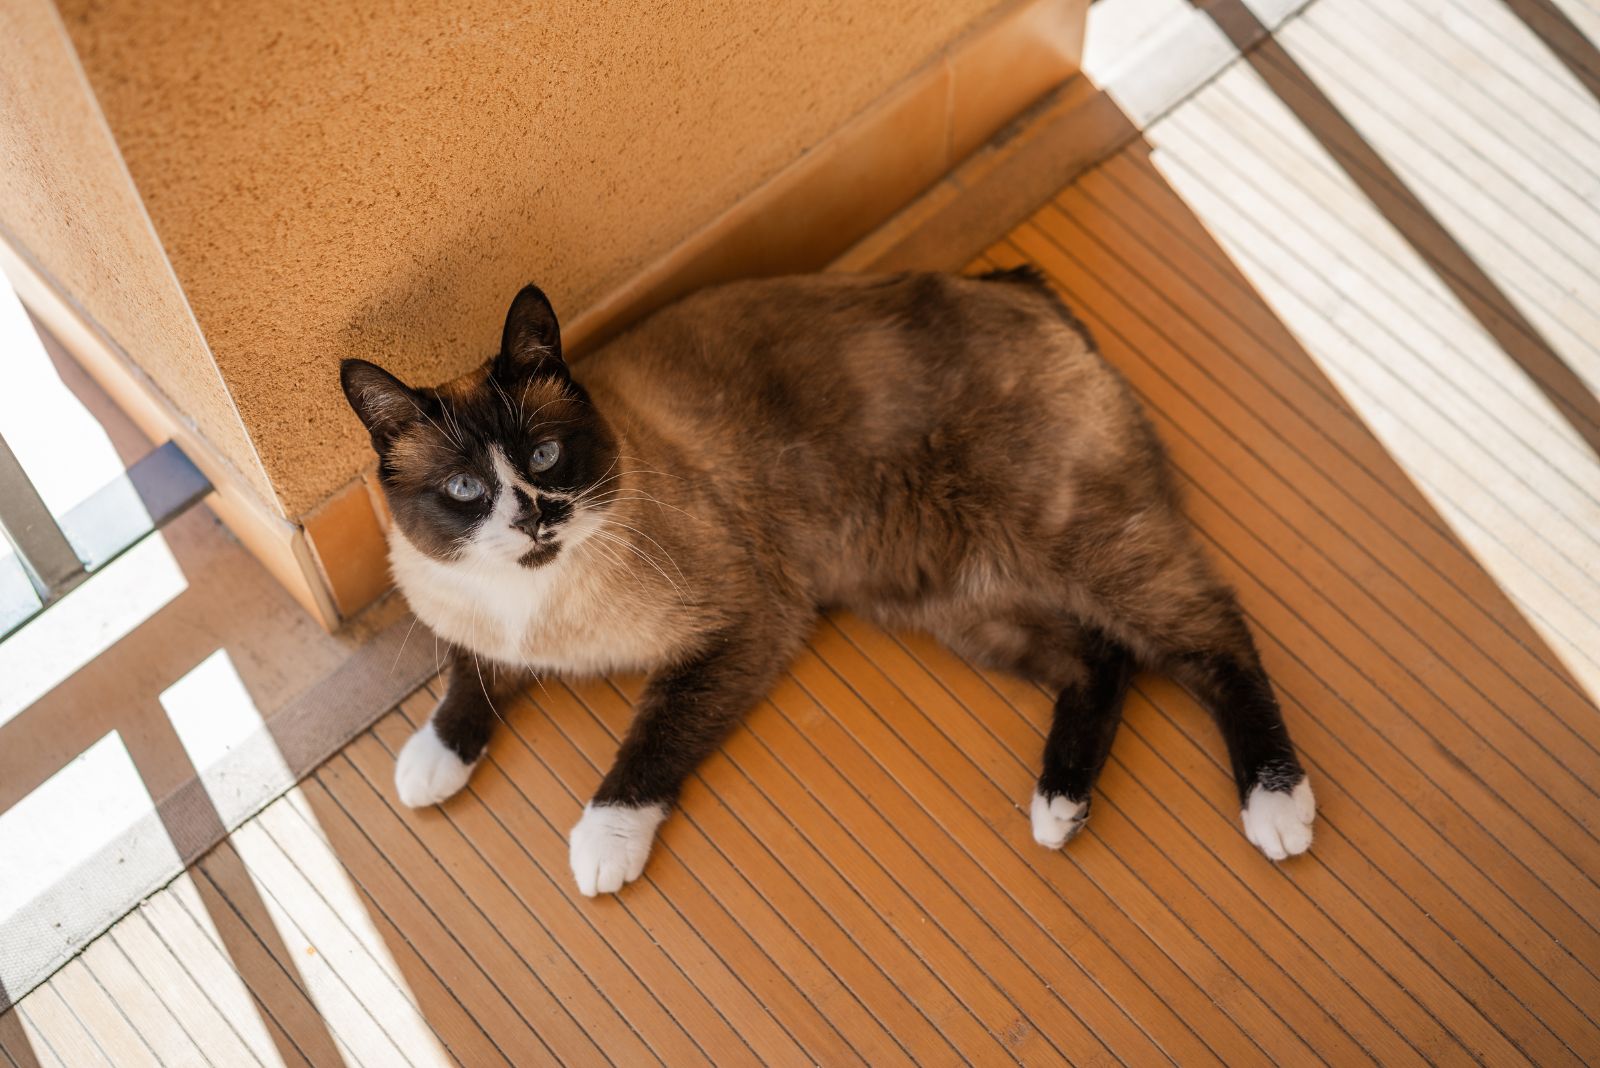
x: 531, y: 341
x: 385, y: 404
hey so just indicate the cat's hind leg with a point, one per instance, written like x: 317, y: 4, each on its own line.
x: 1088, y: 711
x: 1179, y: 618
x: 1090, y: 672
x: 1276, y: 804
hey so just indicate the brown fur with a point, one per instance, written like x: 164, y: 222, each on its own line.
x: 933, y: 451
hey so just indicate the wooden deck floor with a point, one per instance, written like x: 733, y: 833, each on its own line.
x: 852, y: 878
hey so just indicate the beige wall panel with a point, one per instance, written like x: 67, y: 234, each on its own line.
x: 67, y: 206
x: 376, y: 179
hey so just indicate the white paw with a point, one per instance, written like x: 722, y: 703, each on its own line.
x: 427, y: 771
x: 1279, y: 822
x: 610, y: 844
x: 1057, y: 819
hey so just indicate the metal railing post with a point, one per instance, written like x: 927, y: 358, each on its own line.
x: 46, y: 555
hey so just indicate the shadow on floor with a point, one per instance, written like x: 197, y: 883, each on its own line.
x: 1562, y: 36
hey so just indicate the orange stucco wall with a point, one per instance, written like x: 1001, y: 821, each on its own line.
x: 68, y: 205
x: 376, y: 178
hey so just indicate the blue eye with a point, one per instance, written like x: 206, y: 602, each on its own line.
x: 464, y: 487
x: 544, y: 456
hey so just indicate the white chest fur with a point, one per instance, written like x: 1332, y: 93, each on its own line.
x: 567, y: 617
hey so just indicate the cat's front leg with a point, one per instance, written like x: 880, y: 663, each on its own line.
x: 437, y: 760
x: 684, y: 714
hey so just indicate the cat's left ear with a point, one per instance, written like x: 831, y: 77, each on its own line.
x: 384, y: 404
x: 531, y: 341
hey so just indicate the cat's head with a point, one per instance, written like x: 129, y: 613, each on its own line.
x: 506, y: 465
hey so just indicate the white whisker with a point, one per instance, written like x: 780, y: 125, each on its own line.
x: 630, y: 547
x: 652, y: 541
x: 403, y: 643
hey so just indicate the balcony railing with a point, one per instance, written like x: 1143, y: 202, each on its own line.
x: 53, y: 558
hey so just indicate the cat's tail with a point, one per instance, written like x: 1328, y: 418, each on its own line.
x: 1030, y: 277
x: 1025, y: 274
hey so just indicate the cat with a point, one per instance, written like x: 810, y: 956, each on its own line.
x: 931, y: 451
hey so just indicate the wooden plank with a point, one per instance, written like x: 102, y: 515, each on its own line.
x: 1438, y: 109
x: 1206, y: 773
x: 255, y: 946
x: 1364, y: 260
x: 215, y: 1037
x: 951, y: 764
x: 1014, y: 900
x: 11, y: 1020
x: 362, y: 1000
x: 32, y: 1045
x: 1412, y: 305
x: 449, y: 951
x: 1503, y: 31
x: 466, y: 1040
x: 586, y: 1010
x: 149, y: 1013
x: 1561, y: 595
x: 794, y: 994
x: 1528, y: 123
x: 505, y: 952
x: 1299, y: 162
x: 533, y: 865
x: 183, y: 926
x: 108, y: 1027
x: 769, y: 903
x: 592, y: 742
x: 1400, y: 985
x: 1431, y: 571
x: 1486, y: 447
x: 1399, y: 932
x: 1034, y: 1024
x: 1301, y: 903
x: 63, y: 1034
x: 1530, y: 263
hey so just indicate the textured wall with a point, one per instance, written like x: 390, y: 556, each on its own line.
x: 376, y: 179
x: 66, y: 202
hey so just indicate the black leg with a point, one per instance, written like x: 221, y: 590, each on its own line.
x: 439, y: 758
x: 1087, y: 713
x: 466, y: 716
x: 685, y: 712
x: 1179, y: 618
x: 1234, y: 689
x: 1276, y: 804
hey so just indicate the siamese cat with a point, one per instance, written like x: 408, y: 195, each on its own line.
x: 930, y: 451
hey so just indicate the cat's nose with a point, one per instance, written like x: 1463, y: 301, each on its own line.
x: 528, y: 523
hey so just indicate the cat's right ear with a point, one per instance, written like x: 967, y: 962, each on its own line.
x: 384, y: 404
x: 530, y: 344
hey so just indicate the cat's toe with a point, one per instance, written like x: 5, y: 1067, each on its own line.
x: 1278, y: 822
x: 610, y: 845
x: 428, y: 771
x: 1057, y: 819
